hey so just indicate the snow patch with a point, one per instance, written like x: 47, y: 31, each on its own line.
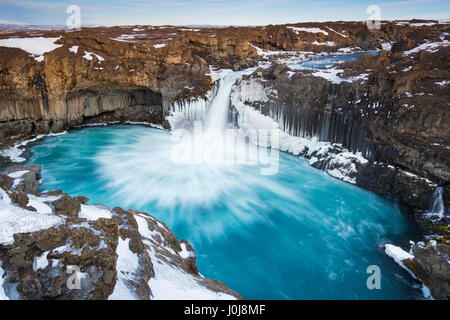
x: 193, y: 30
x: 443, y: 83
x: 39, y: 204
x: 41, y: 262
x: 341, y: 162
x: 17, y: 220
x: 127, y: 265
x: 397, y: 253
x: 341, y: 34
x: 184, y: 253
x: 93, y: 212
x: 428, y: 46
x: 17, y: 174
x: 89, y: 56
x: 297, y: 30
x: 37, y: 47
x: 74, y: 49
x: 386, y: 46
x: 410, y: 174
x: 327, y: 43
x: 171, y: 283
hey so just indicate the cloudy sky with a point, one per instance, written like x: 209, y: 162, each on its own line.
x: 214, y: 12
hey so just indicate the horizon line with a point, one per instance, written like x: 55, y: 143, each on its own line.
x: 445, y: 20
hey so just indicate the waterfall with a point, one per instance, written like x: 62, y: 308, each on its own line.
x: 217, y: 114
x: 438, y: 208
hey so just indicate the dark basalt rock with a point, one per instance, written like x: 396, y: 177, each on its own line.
x: 50, y: 281
x: 395, y: 184
x: 6, y: 182
x: 29, y: 181
x: 431, y: 265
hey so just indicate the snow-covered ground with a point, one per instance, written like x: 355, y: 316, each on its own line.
x: 398, y: 254
x: 94, y: 212
x: 170, y: 282
x: 37, y: 47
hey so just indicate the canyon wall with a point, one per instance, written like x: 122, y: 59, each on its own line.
x: 100, y: 70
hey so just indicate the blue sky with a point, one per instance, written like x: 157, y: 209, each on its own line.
x: 215, y: 12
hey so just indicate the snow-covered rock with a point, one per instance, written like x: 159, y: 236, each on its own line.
x: 54, y: 246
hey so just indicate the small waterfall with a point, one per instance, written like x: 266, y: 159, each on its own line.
x: 438, y: 207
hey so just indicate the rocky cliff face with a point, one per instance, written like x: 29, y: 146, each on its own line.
x: 53, y: 246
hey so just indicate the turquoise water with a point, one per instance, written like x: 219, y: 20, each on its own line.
x: 299, y: 234
x: 330, y: 60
